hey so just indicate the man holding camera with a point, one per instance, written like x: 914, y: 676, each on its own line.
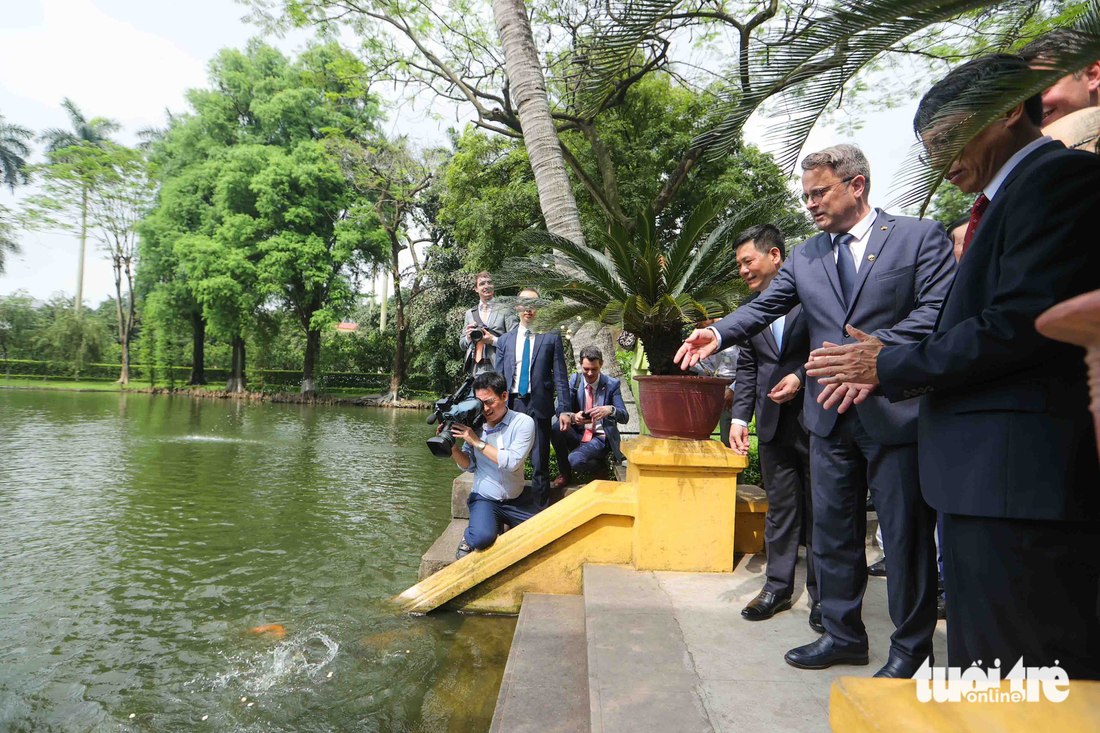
x: 495, y: 455
x: 484, y: 324
x: 582, y: 438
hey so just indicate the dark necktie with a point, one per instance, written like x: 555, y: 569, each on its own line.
x: 980, y: 206
x: 845, y: 265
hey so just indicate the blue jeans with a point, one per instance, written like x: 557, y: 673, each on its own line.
x: 488, y: 515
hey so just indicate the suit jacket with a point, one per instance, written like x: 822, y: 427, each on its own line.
x: 1005, y: 429
x: 548, y: 375
x: 900, y: 285
x: 608, y: 392
x: 762, y: 364
x: 500, y: 319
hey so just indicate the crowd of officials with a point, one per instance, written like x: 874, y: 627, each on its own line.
x: 889, y: 357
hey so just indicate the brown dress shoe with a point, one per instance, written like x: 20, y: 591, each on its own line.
x: 559, y: 482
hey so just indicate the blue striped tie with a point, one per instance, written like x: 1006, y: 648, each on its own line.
x: 525, y: 366
x: 845, y: 265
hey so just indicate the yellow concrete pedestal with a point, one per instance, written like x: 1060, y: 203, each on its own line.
x: 687, y: 503
x: 675, y: 511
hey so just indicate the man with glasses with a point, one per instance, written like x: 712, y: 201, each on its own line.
x: 1007, y: 444
x: 533, y: 365
x: 887, y: 275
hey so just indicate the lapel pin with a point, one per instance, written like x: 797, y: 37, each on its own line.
x: 884, y: 228
x: 870, y: 258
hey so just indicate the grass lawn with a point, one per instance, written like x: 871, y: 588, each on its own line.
x: 60, y: 384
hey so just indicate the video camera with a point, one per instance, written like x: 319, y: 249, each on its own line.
x: 462, y: 408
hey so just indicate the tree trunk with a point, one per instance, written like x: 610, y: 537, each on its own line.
x: 198, y: 349
x: 79, y: 302
x: 124, y: 375
x: 313, y: 353
x: 236, y: 382
x: 385, y: 299
x: 524, y: 70
x: 397, y: 374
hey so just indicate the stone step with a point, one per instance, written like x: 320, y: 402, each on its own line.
x: 442, y: 552
x: 641, y: 675
x: 545, y: 683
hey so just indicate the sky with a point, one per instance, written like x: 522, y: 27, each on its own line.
x: 130, y: 60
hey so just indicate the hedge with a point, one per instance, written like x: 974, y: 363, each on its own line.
x: 260, y: 379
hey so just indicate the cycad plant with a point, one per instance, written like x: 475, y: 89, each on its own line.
x: 652, y: 284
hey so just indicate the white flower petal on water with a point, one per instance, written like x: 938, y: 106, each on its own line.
x: 205, y: 717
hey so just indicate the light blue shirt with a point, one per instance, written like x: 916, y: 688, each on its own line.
x: 513, y: 437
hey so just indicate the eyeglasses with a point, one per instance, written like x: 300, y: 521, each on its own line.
x: 933, y: 147
x: 491, y: 402
x: 819, y: 193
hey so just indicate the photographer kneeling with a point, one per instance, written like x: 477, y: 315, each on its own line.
x: 496, y: 457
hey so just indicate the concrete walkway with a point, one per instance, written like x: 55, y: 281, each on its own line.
x: 670, y: 651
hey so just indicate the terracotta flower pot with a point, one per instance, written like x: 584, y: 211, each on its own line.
x: 1077, y: 321
x: 685, y: 407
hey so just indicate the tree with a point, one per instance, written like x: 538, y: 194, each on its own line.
x: 8, y: 243
x: 18, y: 321
x: 13, y: 153
x: 394, y: 178
x: 85, y: 133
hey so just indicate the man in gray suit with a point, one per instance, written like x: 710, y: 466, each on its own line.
x: 491, y: 320
x: 887, y: 275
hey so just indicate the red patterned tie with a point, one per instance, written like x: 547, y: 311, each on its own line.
x: 589, y: 401
x: 975, y: 218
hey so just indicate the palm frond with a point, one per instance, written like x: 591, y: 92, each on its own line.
x: 971, y: 112
x: 600, y: 59
x: 808, y: 72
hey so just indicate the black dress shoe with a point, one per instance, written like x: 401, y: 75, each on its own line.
x: 902, y: 669
x: 824, y: 653
x: 815, y: 619
x: 463, y: 550
x: 877, y: 569
x: 765, y: 605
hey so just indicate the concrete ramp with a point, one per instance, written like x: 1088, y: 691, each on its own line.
x: 545, y: 554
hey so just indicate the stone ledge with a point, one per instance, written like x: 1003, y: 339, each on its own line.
x: 442, y: 552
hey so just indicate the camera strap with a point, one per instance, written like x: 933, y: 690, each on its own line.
x: 479, y: 350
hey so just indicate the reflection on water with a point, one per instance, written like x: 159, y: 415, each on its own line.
x: 141, y: 538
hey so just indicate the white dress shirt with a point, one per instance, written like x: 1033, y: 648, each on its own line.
x: 862, y: 233
x: 995, y: 183
x: 521, y: 333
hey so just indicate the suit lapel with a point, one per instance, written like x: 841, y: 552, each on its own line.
x: 788, y: 326
x: 769, y: 339
x: 880, y: 231
x: 825, y: 254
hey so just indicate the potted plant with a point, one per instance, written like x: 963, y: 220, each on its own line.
x: 655, y: 285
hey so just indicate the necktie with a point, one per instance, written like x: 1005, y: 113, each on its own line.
x: 479, y: 350
x: 845, y: 265
x: 777, y: 331
x: 589, y: 402
x: 980, y: 205
x: 525, y: 365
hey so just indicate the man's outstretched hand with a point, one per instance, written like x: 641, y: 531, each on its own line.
x: 696, y: 347
x: 855, y: 363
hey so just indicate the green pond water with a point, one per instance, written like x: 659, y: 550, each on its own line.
x: 141, y: 537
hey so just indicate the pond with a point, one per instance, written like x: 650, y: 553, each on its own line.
x: 142, y: 537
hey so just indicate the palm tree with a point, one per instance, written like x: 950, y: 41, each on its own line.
x: 643, y: 281
x: 13, y: 153
x: 95, y: 132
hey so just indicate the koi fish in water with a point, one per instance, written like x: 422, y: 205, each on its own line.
x: 270, y: 631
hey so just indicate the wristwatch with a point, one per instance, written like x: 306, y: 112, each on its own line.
x: 481, y: 445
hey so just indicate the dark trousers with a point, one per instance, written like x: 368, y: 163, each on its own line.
x: 488, y: 515
x: 540, y: 451
x: 1022, y: 587
x: 843, y: 466
x: 573, y: 455
x: 785, y: 465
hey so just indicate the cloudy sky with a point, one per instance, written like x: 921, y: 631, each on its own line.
x: 132, y: 59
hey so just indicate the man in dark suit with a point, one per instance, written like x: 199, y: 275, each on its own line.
x: 1007, y: 446
x: 770, y: 375
x: 891, y: 274
x: 533, y: 365
x: 589, y: 430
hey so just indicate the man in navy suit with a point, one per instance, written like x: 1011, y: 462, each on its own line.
x: 1007, y: 444
x: 585, y: 434
x: 890, y: 274
x: 770, y: 375
x: 533, y: 365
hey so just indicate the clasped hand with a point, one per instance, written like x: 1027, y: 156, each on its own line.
x: 849, y: 373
